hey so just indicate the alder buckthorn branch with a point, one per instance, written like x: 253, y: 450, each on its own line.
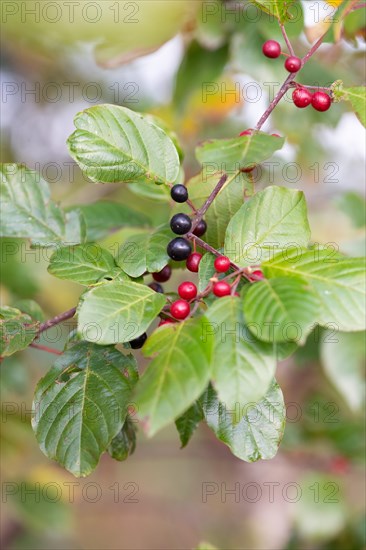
x: 180, y: 248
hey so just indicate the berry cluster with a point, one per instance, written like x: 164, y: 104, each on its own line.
x: 302, y: 97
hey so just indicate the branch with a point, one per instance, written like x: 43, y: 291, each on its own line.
x: 285, y: 86
x: 287, y: 40
x: 288, y: 84
x: 202, y: 211
x: 45, y: 348
x: 56, y: 320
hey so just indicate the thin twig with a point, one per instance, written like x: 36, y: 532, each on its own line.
x: 45, y: 348
x: 56, y: 320
x: 287, y: 40
x: 288, y: 84
x: 206, y: 205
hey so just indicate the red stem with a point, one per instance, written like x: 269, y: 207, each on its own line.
x: 287, y: 40
x: 45, y: 348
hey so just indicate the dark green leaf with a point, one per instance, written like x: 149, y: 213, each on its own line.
x: 188, y: 423
x: 81, y: 405
x: 17, y: 330
x: 124, y: 444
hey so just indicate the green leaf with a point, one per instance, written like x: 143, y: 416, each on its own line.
x: 354, y: 205
x: 27, y: 209
x: 81, y: 405
x: 156, y: 193
x: 223, y: 208
x: 117, y: 312
x: 31, y: 308
x: 199, y: 66
x: 206, y: 271
x: 276, y: 8
x: 84, y: 264
x: 260, y: 430
x: 124, y: 444
x: 232, y: 155
x: 113, y: 144
x: 17, y: 330
x: 281, y: 310
x: 357, y: 97
x: 188, y: 423
x: 104, y: 217
x: 145, y: 252
x: 243, y: 367
x: 338, y: 283
x: 178, y: 374
x: 272, y: 220
x: 343, y: 356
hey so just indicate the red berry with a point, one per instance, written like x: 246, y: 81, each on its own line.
x: 293, y: 64
x: 302, y: 97
x: 321, y: 101
x: 246, y: 133
x: 165, y: 322
x: 180, y: 309
x: 221, y: 289
x: 193, y: 262
x: 222, y: 264
x: 271, y: 49
x: 258, y: 275
x: 163, y: 275
x: 187, y: 291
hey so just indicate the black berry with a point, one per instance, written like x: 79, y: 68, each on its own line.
x: 164, y: 275
x: 181, y: 224
x: 200, y: 228
x: 179, y: 249
x: 137, y: 343
x: 158, y: 288
x: 179, y: 193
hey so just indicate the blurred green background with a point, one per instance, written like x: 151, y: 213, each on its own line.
x: 198, y: 66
